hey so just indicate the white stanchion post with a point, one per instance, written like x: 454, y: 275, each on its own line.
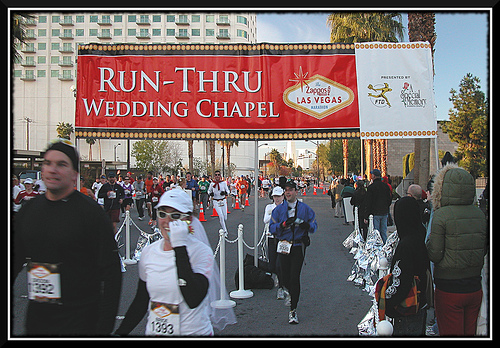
x: 356, y: 220
x: 223, y: 302
x: 128, y: 260
x: 241, y: 293
x: 370, y: 224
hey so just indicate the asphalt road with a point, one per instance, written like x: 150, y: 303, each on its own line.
x: 329, y: 305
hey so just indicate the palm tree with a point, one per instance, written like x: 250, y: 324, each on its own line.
x: 421, y: 27
x: 18, y: 32
x: 276, y: 160
x: 349, y: 27
x: 90, y: 141
x: 212, y: 155
x: 228, y: 144
x: 64, y: 130
x: 190, y: 154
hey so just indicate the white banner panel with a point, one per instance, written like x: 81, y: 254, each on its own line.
x: 395, y: 90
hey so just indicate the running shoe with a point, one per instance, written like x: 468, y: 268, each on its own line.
x: 292, y: 317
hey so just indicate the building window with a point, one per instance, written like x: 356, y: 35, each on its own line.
x: 42, y: 32
x: 170, y: 32
x: 242, y: 33
x: 117, y: 32
x: 80, y: 19
x: 209, y: 32
x: 42, y: 19
x: 183, y: 19
x: 156, y: 32
x: 170, y: 18
x: 105, y: 19
x: 67, y: 20
x: 94, y: 19
x: 144, y: 19
x: 195, y: 18
x: 131, y: 18
x: 242, y: 20
x: 56, y: 19
x: 41, y: 73
x: 156, y: 18
x: 210, y: 19
x: 118, y: 19
x: 67, y: 47
x: 195, y: 32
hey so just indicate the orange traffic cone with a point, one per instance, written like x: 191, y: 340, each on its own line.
x: 237, y: 205
x: 214, y: 212
x: 247, y: 204
x: 314, y: 192
x: 202, y: 214
x: 227, y: 209
x: 304, y: 192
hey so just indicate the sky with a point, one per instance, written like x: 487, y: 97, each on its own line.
x: 461, y: 46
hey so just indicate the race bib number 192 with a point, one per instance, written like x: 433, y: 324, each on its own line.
x: 44, y: 282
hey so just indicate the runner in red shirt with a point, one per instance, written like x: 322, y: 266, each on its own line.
x: 25, y: 195
x: 242, y: 187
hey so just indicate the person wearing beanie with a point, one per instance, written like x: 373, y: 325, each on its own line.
x: 66, y: 242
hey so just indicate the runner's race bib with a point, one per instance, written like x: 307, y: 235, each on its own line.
x: 44, y: 282
x: 284, y: 247
x: 163, y: 320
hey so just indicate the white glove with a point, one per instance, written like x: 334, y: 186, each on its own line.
x: 178, y: 233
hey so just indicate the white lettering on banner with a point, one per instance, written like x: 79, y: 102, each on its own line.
x: 111, y: 75
x: 180, y: 109
x: 249, y: 106
x: 230, y: 80
x: 208, y: 82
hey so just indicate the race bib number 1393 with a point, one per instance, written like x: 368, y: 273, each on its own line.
x: 163, y: 320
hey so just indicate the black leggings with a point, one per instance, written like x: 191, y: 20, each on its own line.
x: 290, y: 267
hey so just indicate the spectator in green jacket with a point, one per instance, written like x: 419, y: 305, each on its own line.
x: 457, y: 245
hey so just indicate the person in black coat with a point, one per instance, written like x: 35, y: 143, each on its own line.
x: 378, y: 201
x: 410, y: 259
x: 358, y: 200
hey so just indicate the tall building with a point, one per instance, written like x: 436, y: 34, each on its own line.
x: 44, y: 79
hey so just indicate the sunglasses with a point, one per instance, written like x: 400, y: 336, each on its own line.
x: 174, y: 216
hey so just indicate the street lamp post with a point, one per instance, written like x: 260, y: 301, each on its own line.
x: 114, y: 149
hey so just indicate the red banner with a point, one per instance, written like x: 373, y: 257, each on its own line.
x: 238, y: 89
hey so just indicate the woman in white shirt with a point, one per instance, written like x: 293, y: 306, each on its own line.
x: 174, y: 276
x: 278, y: 197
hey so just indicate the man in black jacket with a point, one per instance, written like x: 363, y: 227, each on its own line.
x: 378, y: 201
x: 74, y: 273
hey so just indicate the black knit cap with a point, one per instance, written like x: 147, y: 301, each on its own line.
x: 68, y: 150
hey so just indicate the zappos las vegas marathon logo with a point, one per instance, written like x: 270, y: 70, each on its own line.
x: 317, y: 95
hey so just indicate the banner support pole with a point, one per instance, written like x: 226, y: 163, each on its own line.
x: 256, y: 204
